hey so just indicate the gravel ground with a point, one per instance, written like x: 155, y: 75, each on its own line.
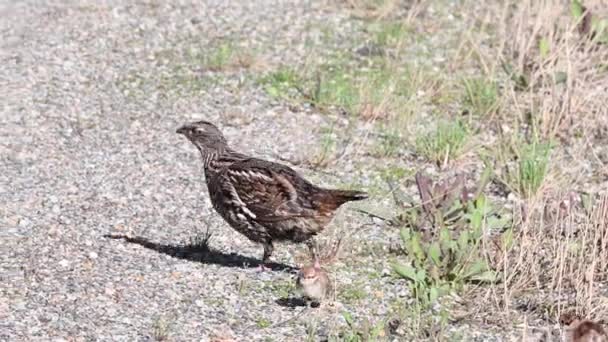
x: 89, y: 108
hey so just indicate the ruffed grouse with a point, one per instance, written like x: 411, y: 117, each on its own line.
x: 263, y: 200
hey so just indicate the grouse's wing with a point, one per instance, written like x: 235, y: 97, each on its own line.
x: 266, y: 191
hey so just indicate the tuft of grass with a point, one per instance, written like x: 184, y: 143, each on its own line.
x: 263, y: 323
x: 220, y: 57
x: 389, y: 143
x: 444, y: 144
x: 281, y: 83
x: 525, y: 165
x: 352, y: 293
x: 224, y: 57
x: 200, y: 242
x: 481, y: 97
x: 327, y: 150
x: 533, y: 165
x: 360, y: 331
x: 375, y: 91
x: 335, y: 87
x: 390, y: 33
x: 282, y: 289
x: 161, y: 329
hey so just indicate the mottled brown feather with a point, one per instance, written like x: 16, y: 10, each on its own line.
x: 263, y: 200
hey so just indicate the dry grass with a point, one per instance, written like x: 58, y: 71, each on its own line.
x: 530, y: 71
x: 553, y: 89
x: 557, y: 76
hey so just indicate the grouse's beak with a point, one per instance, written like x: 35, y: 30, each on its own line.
x: 182, y: 130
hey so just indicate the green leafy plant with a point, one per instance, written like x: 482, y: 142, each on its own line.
x: 448, y: 254
x: 445, y: 264
x: 594, y: 27
x: 444, y: 144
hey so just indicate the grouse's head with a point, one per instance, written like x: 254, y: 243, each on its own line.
x: 204, y: 135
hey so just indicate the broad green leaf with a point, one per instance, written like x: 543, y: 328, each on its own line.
x: 417, y: 247
x: 463, y: 240
x: 445, y: 238
x: 433, y: 294
x: 421, y: 276
x: 435, y: 253
x: 476, y: 268
x: 405, y: 235
x: 406, y: 271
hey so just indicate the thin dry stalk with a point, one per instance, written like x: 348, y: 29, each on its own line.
x: 561, y: 82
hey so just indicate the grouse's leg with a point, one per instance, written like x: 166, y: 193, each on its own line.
x: 268, y: 248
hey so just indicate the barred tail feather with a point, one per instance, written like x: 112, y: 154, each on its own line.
x: 342, y: 196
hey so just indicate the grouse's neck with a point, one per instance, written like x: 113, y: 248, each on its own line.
x: 217, y: 159
x: 208, y: 156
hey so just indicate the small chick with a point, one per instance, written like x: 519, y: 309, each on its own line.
x: 313, y: 281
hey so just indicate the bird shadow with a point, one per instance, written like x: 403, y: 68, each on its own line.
x: 201, y: 252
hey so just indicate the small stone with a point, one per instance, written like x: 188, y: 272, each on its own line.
x: 109, y: 291
x: 93, y: 255
x: 64, y: 263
